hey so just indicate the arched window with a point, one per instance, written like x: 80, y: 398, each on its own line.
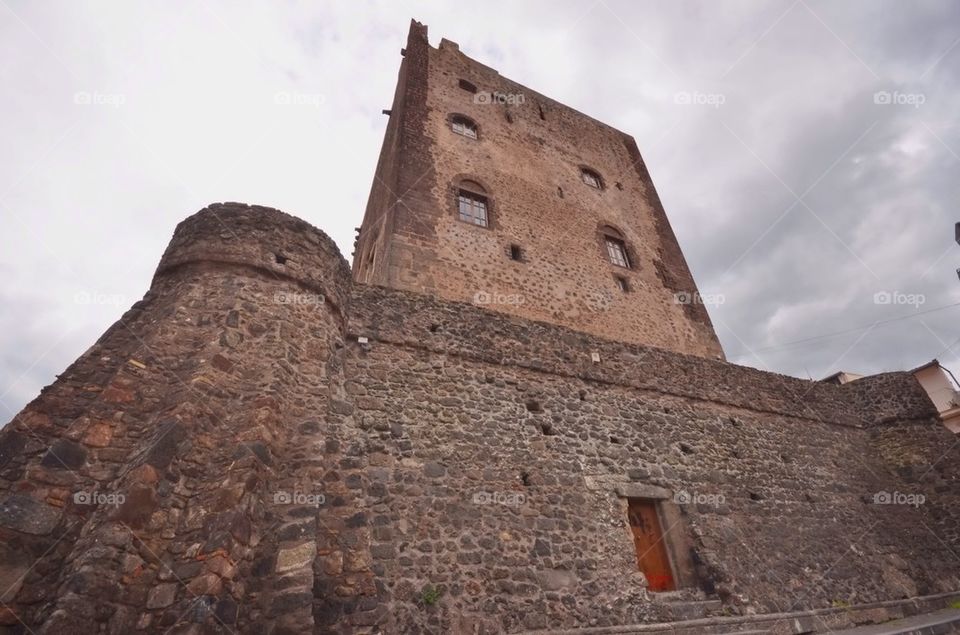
x: 591, y: 178
x: 615, y: 247
x: 463, y: 126
x: 472, y: 204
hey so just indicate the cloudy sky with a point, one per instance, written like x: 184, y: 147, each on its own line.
x: 807, y: 151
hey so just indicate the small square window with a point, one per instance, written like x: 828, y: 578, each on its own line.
x: 467, y: 86
x: 516, y: 253
x: 623, y: 284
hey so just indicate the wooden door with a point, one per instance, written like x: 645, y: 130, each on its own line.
x: 648, y: 539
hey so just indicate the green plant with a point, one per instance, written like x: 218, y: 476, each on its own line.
x: 840, y: 604
x: 430, y: 595
x: 955, y: 604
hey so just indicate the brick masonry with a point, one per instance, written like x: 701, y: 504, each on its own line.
x: 529, y: 164
x: 262, y: 445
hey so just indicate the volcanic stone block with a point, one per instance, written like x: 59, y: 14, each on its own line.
x: 28, y: 515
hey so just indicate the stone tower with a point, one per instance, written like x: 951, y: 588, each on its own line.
x: 263, y: 445
x: 489, y: 192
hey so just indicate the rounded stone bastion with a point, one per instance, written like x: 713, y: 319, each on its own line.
x: 265, y: 239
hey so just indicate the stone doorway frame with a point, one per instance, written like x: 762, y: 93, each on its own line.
x: 676, y: 536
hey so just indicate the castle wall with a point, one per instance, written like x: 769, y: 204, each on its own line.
x: 780, y: 474
x: 530, y: 168
x: 458, y: 470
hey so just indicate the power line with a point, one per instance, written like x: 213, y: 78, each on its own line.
x: 850, y: 330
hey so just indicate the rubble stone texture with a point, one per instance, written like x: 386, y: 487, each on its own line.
x: 263, y: 445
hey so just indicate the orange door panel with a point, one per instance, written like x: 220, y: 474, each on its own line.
x: 651, y: 551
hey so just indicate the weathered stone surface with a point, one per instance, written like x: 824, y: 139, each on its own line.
x: 122, y: 621
x: 8, y: 617
x: 541, y: 547
x: 27, y: 515
x: 221, y: 362
x: 222, y: 566
x: 162, y: 596
x: 62, y: 621
x: 296, y: 556
x: 11, y: 445
x: 118, y: 395
x: 333, y: 563
x: 290, y: 602
x: 260, y: 451
x: 98, y: 435
x: 14, y: 564
x: 139, y: 504
x: 226, y: 611
x: 206, y: 584
x: 341, y: 407
x: 65, y: 454
x: 434, y: 470
x: 556, y: 579
x: 145, y: 473
x: 161, y: 451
